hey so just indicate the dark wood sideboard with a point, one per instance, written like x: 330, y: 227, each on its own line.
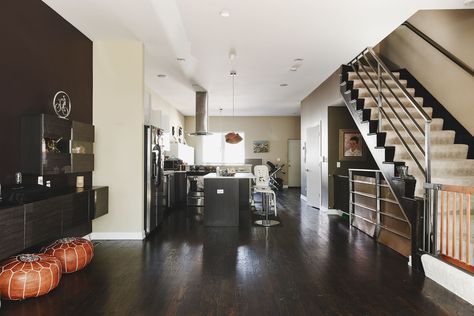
x: 66, y: 213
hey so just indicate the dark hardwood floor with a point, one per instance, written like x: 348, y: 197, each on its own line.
x: 311, y: 265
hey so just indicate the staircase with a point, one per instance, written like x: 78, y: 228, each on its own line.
x: 401, y: 130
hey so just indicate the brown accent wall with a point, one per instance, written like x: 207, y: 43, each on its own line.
x: 40, y: 54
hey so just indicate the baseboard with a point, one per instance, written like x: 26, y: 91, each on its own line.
x: 331, y: 211
x: 449, y: 277
x: 303, y: 197
x: 117, y: 236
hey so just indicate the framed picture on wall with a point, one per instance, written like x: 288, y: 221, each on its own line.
x: 351, y: 145
x: 260, y: 146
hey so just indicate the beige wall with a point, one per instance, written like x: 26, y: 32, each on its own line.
x: 159, y: 112
x: 276, y: 129
x: 447, y: 82
x: 118, y: 115
x: 314, y: 110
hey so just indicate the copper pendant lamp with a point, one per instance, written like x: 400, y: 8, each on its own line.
x: 233, y: 137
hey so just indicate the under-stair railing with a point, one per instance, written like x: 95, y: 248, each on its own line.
x: 376, y: 65
x: 448, y: 225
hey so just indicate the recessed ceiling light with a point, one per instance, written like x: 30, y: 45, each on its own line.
x: 298, y: 60
x: 283, y: 85
x: 161, y: 76
x: 224, y: 13
x: 181, y: 59
x: 294, y: 68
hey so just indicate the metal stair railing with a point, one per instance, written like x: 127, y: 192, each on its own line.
x: 368, y: 63
x: 380, y: 83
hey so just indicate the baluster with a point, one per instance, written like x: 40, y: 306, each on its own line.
x: 447, y: 224
x: 453, y: 255
x: 461, y: 202
x: 468, y: 231
x: 442, y: 207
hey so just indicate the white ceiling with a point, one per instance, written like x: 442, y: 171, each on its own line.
x: 267, y: 35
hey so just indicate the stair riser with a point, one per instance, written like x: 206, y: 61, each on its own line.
x: 392, y: 139
x: 402, y: 154
x: 436, y: 125
x: 358, y: 84
x: 370, y: 102
x: 414, y: 113
x: 354, y: 76
x: 364, y: 93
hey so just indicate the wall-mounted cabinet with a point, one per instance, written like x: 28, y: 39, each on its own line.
x: 51, y: 145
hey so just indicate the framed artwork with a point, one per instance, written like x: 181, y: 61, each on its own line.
x: 261, y: 146
x: 351, y: 145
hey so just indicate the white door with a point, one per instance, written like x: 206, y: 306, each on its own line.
x: 313, y: 167
x: 294, y: 163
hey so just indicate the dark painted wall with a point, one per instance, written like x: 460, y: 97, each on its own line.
x: 340, y: 118
x: 40, y: 54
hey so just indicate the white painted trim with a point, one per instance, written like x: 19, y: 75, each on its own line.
x: 331, y: 211
x: 304, y: 198
x: 449, y: 277
x: 118, y: 236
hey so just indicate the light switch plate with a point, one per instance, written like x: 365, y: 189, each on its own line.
x: 220, y: 191
x: 338, y: 165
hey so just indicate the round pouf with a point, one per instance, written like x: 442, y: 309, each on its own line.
x: 29, y: 275
x: 74, y: 253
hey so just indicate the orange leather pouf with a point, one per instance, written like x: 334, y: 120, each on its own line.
x: 74, y: 253
x: 29, y: 275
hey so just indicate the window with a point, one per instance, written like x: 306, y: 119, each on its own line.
x: 216, y: 150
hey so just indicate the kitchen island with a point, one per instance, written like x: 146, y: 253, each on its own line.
x: 227, y: 199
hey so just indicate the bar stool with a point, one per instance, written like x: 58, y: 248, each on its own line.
x: 262, y: 186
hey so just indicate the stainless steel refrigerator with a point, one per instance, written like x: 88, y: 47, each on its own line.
x: 155, y: 186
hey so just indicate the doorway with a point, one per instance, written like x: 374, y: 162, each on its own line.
x: 294, y: 163
x: 313, y: 166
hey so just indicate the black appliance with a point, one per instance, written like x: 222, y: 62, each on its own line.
x: 155, y: 198
x: 174, y: 164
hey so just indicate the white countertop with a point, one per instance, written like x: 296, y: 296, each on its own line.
x: 238, y: 175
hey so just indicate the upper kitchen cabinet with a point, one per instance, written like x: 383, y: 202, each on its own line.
x: 52, y: 145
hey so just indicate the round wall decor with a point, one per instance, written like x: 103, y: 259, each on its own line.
x: 62, y: 104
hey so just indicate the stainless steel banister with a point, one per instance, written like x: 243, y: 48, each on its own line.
x: 405, y: 92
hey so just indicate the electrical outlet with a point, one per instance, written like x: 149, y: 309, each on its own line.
x: 338, y: 164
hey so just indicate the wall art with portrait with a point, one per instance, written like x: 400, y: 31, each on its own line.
x: 351, y: 145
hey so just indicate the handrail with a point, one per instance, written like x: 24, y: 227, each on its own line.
x: 440, y: 48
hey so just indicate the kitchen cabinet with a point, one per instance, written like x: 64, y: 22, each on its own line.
x: 12, y: 228
x: 75, y: 215
x: 43, y: 220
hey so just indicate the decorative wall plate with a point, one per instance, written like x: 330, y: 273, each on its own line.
x: 62, y: 104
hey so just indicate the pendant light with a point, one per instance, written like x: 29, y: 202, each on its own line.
x: 233, y: 137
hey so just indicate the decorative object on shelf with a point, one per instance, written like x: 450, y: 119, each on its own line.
x: 74, y: 253
x: 79, y: 181
x: 403, y: 172
x: 351, y: 145
x: 29, y: 275
x: 62, y: 104
x: 233, y: 137
x: 261, y: 146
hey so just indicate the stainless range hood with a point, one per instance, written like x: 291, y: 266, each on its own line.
x: 201, y: 114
